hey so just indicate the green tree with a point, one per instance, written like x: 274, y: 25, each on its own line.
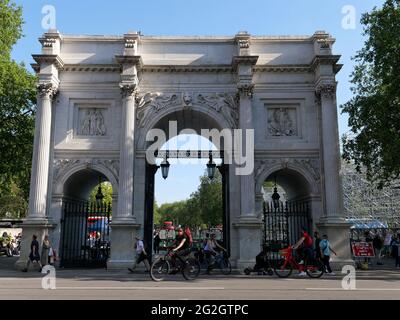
x: 374, y: 111
x: 17, y: 109
x: 202, y: 209
x: 210, y: 199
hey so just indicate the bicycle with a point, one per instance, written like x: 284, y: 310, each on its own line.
x: 188, y: 266
x: 222, y: 262
x: 284, y: 267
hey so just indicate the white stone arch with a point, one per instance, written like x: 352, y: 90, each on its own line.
x: 267, y: 168
x: 79, y: 166
x: 156, y: 117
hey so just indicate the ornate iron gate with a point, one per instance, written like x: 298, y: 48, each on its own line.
x: 85, y: 240
x: 283, y: 223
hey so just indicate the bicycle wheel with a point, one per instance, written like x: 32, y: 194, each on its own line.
x: 315, y: 270
x: 191, y: 269
x: 225, y: 266
x: 159, y: 269
x: 283, y: 269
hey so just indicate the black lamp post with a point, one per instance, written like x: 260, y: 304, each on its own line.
x: 211, y: 168
x: 99, y: 194
x: 275, y: 196
x: 165, y: 168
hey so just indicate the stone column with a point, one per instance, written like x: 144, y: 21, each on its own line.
x: 331, y: 150
x: 248, y: 224
x: 127, y: 153
x: 37, y: 221
x: 123, y: 226
x: 332, y: 222
x: 41, y: 154
x: 247, y: 193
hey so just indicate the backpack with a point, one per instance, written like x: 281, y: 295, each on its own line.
x: 189, y: 236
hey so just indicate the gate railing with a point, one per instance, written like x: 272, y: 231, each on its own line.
x: 85, y: 240
x: 283, y: 223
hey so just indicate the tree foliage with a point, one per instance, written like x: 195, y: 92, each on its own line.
x: 202, y: 209
x: 374, y: 111
x: 17, y: 109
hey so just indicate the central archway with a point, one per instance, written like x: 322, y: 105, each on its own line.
x: 193, y: 120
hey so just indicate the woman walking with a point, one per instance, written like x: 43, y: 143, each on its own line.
x: 46, y: 247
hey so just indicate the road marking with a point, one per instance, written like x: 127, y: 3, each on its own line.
x: 140, y: 288
x: 358, y: 289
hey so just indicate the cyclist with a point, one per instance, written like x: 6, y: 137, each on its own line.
x: 304, y: 248
x: 182, y: 247
x: 210, y: 250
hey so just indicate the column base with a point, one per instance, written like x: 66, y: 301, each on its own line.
x: 122, y: 250
x: 249, y: 240
x: 338, y: 232
x: 30, y: 227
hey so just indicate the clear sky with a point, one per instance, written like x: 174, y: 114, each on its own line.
x: 200, y: 17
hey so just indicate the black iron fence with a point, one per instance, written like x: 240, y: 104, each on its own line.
x: 85, y: 239
x: 283, y: 223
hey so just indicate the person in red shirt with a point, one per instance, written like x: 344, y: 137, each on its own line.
x: 304, y: 248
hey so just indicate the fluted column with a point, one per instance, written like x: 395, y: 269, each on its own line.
x: 127, y: 153
x: 331, y: 151
x: 41, y: 154
x: 246, y: 123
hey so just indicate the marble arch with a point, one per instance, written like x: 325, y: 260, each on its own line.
x: 99, y: 95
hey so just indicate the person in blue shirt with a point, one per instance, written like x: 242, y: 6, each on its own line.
x: 326, y: 250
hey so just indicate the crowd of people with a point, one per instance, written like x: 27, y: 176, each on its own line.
x: 10, y: 244
x: 307, y: 248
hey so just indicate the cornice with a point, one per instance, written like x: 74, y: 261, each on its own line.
x: 128, y: 59
x: 48, y: 58
x: 92, y: 68
x: 326, y: 59
x: 236, y: 60
x: 283, y: 68
x: 187, y: 68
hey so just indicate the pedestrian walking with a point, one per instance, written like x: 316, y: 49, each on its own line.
x: 317, y: 249
x: 395, y: 244
x: 157, y: 241
x: 34, y: 255
x: 377, y: 243
x: 141, y: 255
x: 46, y: 246
x: 326, y: 250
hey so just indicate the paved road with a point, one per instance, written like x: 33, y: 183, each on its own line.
x: 103, y: 284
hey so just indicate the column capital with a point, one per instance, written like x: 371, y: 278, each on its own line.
x: 47, y: 90
x: 245, y: 90
x: 128, y: 90
x: 326, y: 90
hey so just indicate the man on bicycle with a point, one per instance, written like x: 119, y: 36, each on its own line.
x: 210, y: 250
x: 304, y: 248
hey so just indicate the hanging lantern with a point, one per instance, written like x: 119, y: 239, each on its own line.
x: 99, y: 194
x: 165, y: 168
x: 275, y: 196
x: 211, y: 168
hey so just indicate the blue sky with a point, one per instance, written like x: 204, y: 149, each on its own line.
x: 205, y: 17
